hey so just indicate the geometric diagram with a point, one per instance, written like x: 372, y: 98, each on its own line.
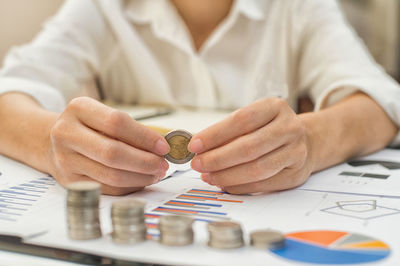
x: 387, y: 164
x: 357, y: 205
x: 360, y: 209
x: 332, y: 247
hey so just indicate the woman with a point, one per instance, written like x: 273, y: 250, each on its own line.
x: 255, y: 57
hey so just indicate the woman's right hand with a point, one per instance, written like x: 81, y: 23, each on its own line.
x: 91, y: 141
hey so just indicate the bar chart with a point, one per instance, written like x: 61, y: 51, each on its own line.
x: 17, y: 200
x: 203, y: 205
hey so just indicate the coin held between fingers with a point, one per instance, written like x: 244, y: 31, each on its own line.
x: 178, y: 141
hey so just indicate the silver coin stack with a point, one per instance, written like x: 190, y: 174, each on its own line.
x: 83, y: 210
x: 225, y: 235
x: 267, y: 239
x: 128, y: 221
x: 176, y: 230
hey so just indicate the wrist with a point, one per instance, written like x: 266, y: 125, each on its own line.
x: 25, y: 129
x: 45, y: 152
x: 312, y: 140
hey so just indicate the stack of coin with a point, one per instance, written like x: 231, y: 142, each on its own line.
x: 83, y: 210
x: 267, y: 239
x: 176, y: 230
x: 225, y: 235
x: 128, y: 221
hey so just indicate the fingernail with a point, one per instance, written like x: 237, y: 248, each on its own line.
x: 196, y: 164
x: 161, y: 147
x: 160, y: 174
x: 206, y: 178
x: 157, y: 179
x: 196, y: 145
x: 222, y: 188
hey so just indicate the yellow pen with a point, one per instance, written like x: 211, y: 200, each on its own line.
x: 161, y: 130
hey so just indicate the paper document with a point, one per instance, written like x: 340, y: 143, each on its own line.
x: 374, y: 217
x: 349, y: 221
x: 377, y: 174
x: 26, y: 196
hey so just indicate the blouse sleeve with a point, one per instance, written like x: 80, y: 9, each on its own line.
x: 334, y: 62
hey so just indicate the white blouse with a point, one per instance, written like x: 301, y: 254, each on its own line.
x: 140, y: 52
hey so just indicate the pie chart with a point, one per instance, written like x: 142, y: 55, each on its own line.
x: 332, y: 247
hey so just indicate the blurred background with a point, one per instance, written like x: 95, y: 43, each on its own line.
x: 376, y: 21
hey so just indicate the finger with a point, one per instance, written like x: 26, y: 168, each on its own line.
x: 105, y: 189
x: 118, y: 125
x: 257, y: 170
x: 111, y: 176
x: 110, y: 152
x: 119, y: 191
x: 245, y: 148
x: 286, y: 179
x: 241, y: 122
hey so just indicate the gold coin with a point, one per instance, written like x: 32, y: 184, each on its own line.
x: 178, y: 141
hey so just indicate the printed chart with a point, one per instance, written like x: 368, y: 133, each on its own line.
x: 16, y: 200
x: 203, y: 205
x: 332, y: 247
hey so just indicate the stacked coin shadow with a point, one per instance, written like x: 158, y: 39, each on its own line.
x: 225, y: 235
x: 267, y: 239
x: 176, y: 230
x: 83, y: 210
x: 128, y: 221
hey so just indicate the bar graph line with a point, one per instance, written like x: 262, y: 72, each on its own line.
x: 208, y: 198
x: 14, y: 201
x: 198, y: 203
x: 193, y: 211
x: 186, y: 205
x: 41, y: 182
x: 8, y: 196
x: 152, y: 215
x: 18, y: 193
x: 34, y: 186
x: 208, y: 192
x: 193, y: 214
x: 7, y: 206
x: 28, y: 189
x: 18, y: 199
x: 9, y: 213
x: 195, y: 199
x: 152, y: 225
x: 157, y: 216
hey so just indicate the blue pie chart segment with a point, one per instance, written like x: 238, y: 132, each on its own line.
x: 332, y: 247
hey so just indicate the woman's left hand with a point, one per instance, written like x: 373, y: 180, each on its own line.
x: 262, y: 147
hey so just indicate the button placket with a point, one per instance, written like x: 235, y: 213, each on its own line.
x: 205, y: 86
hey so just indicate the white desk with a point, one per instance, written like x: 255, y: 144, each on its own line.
x: 283, y: 211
